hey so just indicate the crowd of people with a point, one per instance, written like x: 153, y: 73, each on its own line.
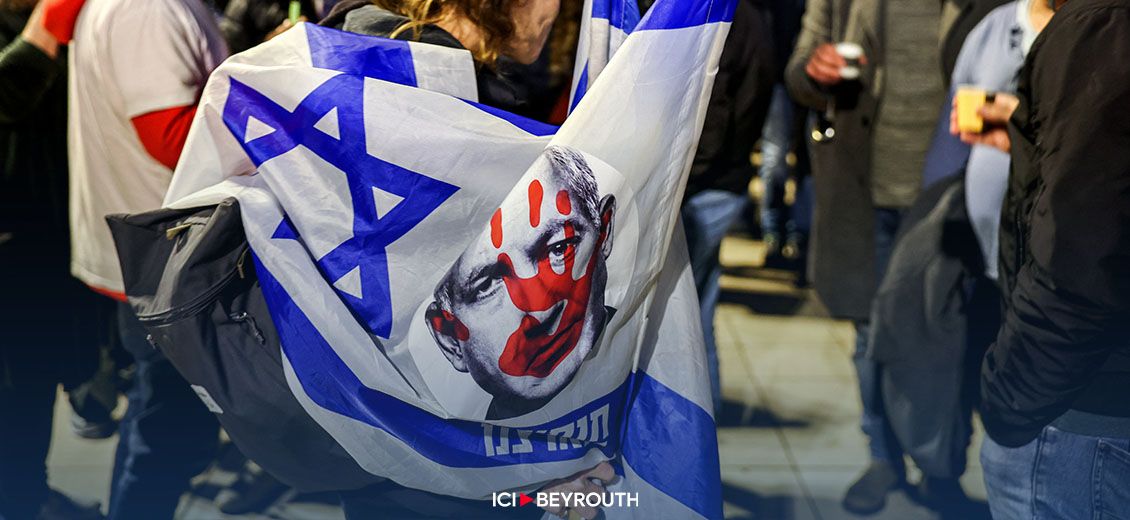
x: 961, y: 178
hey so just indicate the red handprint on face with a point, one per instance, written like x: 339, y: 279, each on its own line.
x: 538, y: 346
x: 523, y: 307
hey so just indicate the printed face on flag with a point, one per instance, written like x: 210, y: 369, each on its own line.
x: 523, y: 306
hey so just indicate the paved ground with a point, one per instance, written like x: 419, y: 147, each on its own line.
x: 789, y: 434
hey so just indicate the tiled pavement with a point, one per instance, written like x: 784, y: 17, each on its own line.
x: 789, y: 434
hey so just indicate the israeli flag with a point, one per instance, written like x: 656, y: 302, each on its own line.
x: 605, y: 24
x: 470, y: 302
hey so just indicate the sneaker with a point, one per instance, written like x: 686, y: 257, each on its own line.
x: 795, y: 252
x: 773, y: 257
x: 93, y: 430
x: 62, y: 507
x: 868, y: 495
x: 794, y: 247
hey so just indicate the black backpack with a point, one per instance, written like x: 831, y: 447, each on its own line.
x: 191, y: 280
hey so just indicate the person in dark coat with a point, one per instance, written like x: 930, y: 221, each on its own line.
x: 719, y: 179
x: 1054, y: 386
x: 40, y: 299
x: 873, y: 136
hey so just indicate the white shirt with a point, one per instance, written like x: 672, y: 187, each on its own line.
x: 128, y: 58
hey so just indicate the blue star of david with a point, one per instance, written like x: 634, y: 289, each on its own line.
x: 372, y: 234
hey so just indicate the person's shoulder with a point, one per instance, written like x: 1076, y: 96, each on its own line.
x: 145, y: 11
x: 1000, y: 20
x: 1075, y: 15
x: 1074, y: 57
x: 1084, y: 32
x: 364, y: 18
x: 1004, y: 14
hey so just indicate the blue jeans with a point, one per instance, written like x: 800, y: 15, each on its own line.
x: 1060, y: 475
x: 706, y: 218
x: 880, y: 437
x: 776, y: 140
x: 167, y: 436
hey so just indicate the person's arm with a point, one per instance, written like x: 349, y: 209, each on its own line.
x: 28, y: 68
x: 816, y: 30
x: 755, y: 88
x: 948, y: 154
x: 1070, y: 309
x: 159, y: 79
x: 722, y: 110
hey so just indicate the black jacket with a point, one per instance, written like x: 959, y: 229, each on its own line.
x: 1065, y: 231
x: 932, y: 318
x: 33, y: 137
x: 738, y: 104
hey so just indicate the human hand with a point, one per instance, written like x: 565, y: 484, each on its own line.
x: 996, y: 112
x: 590, y: 481
x: 825, y: 65
x: 36, y: 34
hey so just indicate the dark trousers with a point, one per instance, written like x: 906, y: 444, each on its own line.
x: 167, y: 436
x: 27, y: 403
x: 44, y: 340
x: 881, y: 439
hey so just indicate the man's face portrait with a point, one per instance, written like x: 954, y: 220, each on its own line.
x: 524, y: 305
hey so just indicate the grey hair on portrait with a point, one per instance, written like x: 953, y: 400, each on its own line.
x: 572, y: 168
x: 578, y: 176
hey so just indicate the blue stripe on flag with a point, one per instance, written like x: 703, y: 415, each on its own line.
x: 669, y: 440
x: 530, y: 126
x: 678, y: 14
x: 621, y: 14
x: 672, y: 443
x: 387, y: 60
x: 582, y: 87
x: 347, y: 151
x: 454, y: 443
x: 361, y: 55
x: 601, y: 8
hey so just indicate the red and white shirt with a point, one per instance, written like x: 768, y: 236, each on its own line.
x: 129, y: 58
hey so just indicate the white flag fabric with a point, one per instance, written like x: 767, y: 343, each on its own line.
x: 605, y: 24
x: 470, y: 302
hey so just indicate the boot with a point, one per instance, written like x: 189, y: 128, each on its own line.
x: 868, y: 495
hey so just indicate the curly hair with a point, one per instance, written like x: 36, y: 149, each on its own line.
x: 492, y: 17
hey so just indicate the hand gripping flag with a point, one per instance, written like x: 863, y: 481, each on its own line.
x: 467, y: 301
